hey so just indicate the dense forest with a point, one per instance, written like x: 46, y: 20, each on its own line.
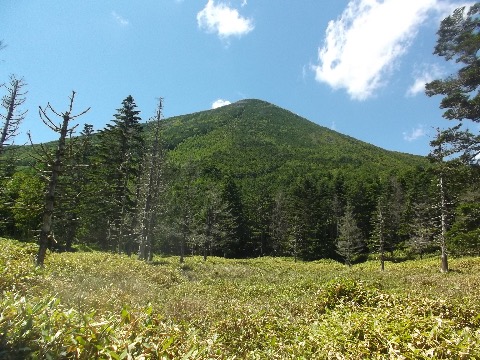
x: 245, y: 180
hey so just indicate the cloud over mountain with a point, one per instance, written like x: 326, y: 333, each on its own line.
x: 224, y: 20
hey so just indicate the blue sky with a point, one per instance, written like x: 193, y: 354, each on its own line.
x: 355, y: 66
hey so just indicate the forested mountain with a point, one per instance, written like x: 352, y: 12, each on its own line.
x: 283, y: 165
x: 247, y: 179
x: 256, y: 139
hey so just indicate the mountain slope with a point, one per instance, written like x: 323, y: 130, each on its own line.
x: 255, y: 139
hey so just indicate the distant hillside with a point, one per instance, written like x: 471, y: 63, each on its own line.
x: 253, y: 139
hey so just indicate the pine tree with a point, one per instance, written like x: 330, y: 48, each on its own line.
x: 213, y: 222
x: 74, y: 205
x: 235, y: 241
x: 120, y: 152
x: 380, y: 236
x: 349, y: 242
x: 458, y: 40
x: 421, y: 229
x: 279, y: 225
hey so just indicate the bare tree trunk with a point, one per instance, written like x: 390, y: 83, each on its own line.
x: 11, y: 103
x: 45, y: 231
x: 443, y: 220
x: 145, y: 248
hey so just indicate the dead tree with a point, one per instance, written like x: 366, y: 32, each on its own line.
x: 438, y: 155
x: 55, y: 164
x: 151, y: 191
x: 12, y: 117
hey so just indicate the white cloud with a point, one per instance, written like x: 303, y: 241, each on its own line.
x: 223, y: 20
x: 120, y: 19
x: 422, y: 77
x: 362, y: 46
x: 219, y: 103
x: 415, y: 133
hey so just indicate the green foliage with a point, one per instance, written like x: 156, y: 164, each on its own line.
x: 459, y: 40
x: 96, y: 305
x: 22, y: 204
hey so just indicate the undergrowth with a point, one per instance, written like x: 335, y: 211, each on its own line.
x: 98, y: 305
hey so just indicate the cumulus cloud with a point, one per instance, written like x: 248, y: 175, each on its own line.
x: 422, y: 77
x: 120, y: 19
x: 224, y: 20
x: 415, y: 133
x: 219, y: 103
x: 362, y: 46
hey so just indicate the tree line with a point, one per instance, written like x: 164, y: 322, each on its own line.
x: 120, y: 189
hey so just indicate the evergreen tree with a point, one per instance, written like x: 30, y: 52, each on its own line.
x: 421, y: 229
x: 280, y: 225
x: 350, y: 240
x: 120, y: 153
x: 235, y: 242
x: 213, y: 222
x: 304, y: 220
x: 458, y: 40
x: 379, y: 240
x: 74, y: 205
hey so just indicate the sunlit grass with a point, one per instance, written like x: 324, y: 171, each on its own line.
x: 104, y: 305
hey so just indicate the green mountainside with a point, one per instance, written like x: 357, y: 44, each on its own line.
x: 255, y: 140
x: 243, y: 180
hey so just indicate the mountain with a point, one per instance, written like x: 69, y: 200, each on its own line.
x: 243, y: 180
x: 260, y: 143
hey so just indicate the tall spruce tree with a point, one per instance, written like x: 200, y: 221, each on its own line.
x: 350, y: 241
x: 421, y: 228
x: 459, y: 40
x: 380, y: 236
x: 121, y: 147
x: 279, y: 225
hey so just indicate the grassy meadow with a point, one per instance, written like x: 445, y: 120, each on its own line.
x: 88, y: 305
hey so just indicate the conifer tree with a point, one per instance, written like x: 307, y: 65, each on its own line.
x: 75, y: 200
x: 213, y: 222
x: 349, y: 242
x: 380, y: 236
x: 421, y: 229
x: 458, y: 40
x: 279, y: 225
x: 120, y: 152
x: 234, y: 243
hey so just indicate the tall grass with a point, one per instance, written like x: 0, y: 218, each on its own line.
x: 99, y: 305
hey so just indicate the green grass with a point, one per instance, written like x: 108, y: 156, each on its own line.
x: 98, y: 305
